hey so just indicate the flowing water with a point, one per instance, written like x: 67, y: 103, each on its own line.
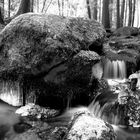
x: 115, y: 69
x: 99, y: 107
x: 10, y: 92
x: 115, y: 73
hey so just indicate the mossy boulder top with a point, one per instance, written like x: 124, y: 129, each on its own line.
x: 34, y: 42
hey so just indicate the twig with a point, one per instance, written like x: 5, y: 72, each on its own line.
x: 48, y: 6
x: 44, y: 3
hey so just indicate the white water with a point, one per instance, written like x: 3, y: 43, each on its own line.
x: 122, y: 133
x: 112, y: 70
x: 115, y: 69
x: 128, y: 134
x: 10, y: 93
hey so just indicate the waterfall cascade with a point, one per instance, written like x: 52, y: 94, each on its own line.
x: 10, y: 92
x: 103, y: 102
x: 104, y: 105
x: 115, y: 69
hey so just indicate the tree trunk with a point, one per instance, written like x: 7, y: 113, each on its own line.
x: 138, y: 14
x: 122, y: 13
x: 3, y: 4
x: 1, y: 17
x: 126, y: 8
x: 118, y: 14
x: 59, y: 7
x: 2, y: 12
x: 105, y: 14
x: 9, y: 3
x: 95, y: 12
x: 37, y: 2
x: 130, y: 13
x: 133, y: 14
x: 111, y: 12
x: 100, y: 12
x: 62, y: 7
x: 67, y: 7
x: 24, y: 7
x: 44, y: 3
x: 88, y: 9
x: 48, y: 6
x: 31, y: 5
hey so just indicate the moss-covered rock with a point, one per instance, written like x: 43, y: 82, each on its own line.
x: 85, y: 126
x: 32, y: 40
x: 49, y: 55
x: 127, y: 31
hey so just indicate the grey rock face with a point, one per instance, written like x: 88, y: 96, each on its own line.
x: 49, y: 54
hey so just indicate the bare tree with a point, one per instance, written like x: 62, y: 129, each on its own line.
x: 48, y: 6
x: 9, y: 3
x: 138, y: 13
x: 105, y: 14
x: 122, y: 13
x: 118, y: 14
x: 130, y: 13
x: 88, y: 9
x: 1, y: 17
x: 59, y: 7
x: 67, y: 7
x: 2, y: 11
x: 126, y: 9
x: 2, y: 3
x: 44, y: 3
x: 133, y: 13
x: 37, y: 3
x: 24, y: 7
x: 62, y: 7
x: 100, y: 10
x: 31, y: 5
x: 95, y: 12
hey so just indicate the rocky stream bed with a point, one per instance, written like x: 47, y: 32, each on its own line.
x: 57, y: 67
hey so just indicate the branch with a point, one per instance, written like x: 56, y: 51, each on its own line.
x: 48, y: 6
x: 44, y: 3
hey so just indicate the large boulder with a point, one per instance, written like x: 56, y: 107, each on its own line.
x: 50, y: 56
x: 31, y: 41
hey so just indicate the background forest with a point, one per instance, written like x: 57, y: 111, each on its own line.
x: 111, y: 13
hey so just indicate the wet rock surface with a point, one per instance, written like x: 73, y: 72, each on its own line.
x: 58, y: 61
x: 85, y: 126
x: 36, y: 112
x: 119, y: 105
x: 50, y: 56
x: 76, y: 123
